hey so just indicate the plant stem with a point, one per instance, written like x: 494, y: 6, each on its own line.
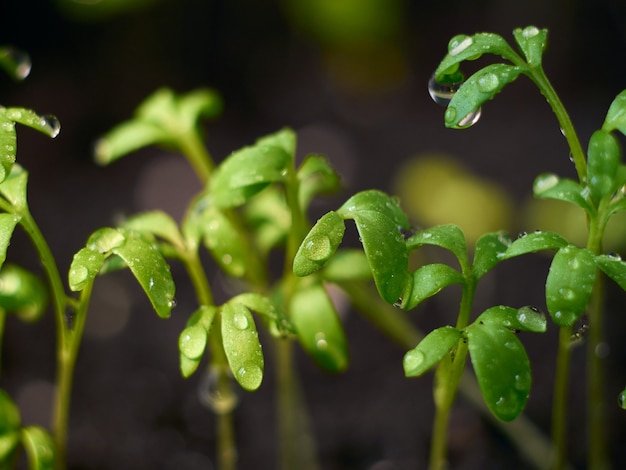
x: 195, y: 151
x: 559, y: 402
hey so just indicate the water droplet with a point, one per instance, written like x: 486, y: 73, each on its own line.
x: 621, y: 399
x: 227, y: 259
x: 545, y: 182
x: 398, y: 303
x: 522, y: 234
x: 320, y: 341
x: 171, y: 303
x: 18, y: 60
x: 241, y: 321
x: 192, y: 341
x: 488, y: 82
x: 567, y: 294
x: 318, y: 248
x: 413, y: 360
x: 458, y: 44
x: 614, y: 256
x: 51, y: 125
x: 529, y: 32
x: 78, y: 275
x: 215, y: 393
x: 14, y: 114
x: 249, y: 375
x: 442, y: 93
x: 471, y: 119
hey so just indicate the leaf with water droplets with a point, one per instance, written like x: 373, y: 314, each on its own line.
x: 533, y: 242
x: 151, y: 271
x: 551, y: 186
x: 316, y: 176
x: 449, y: 237
x: 39, y: 447
x: 522, y: 319
x: 488, y: 252
x: 319, y: 244
x: 532, y: 41
x: 476, y: 90
x: 9, y: 425
x: 241, y: 345
x: 428, y: 281
x: 248, y: 171
x: 569, y: 284
x: 7, y: 226
x: 616, y: 115
x: 379, y: 219
x: 155, y: 223
x: 13, y: 188
x: 318, y: 327
x: 614, y: 267
x: 225, y: 241
x: 8, y: 145
x: 430, y: 351
x: 86, y: 264
x: 463, y: 47
x: 22, y: 293
x: 192, y: 341
x: 275, y: 319
x: 15, y: 62
x: 502, y: 368
x: 46, y: 124
x: 603, y: 160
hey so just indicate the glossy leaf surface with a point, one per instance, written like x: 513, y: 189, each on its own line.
x: 86, y: 264
x: 155, y: 223
x: 488, y: 252
x: 551, y: 186
x: 522, y: 319
x: 430, y: 350
x: 449, y: 237
x: 316, y: 176
x: 318, y: 327
x: 616, y: 115
x: 13, y: 188
x: 569, y: 284
x: 429, y: 280
x: 613, y: 267
x: 379, y: 220
x: 241, y: 345
x: 502, y: 368
x: 533, y: 242
x: 603, y: 159
x: 39, y: 448
x: 226, y: 243
x: 532, y: 41
x: 7, y: 226
x: 478, y: 89
x: 320, y: 244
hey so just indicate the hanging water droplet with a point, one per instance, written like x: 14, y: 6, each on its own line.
x: 442, y: 93
x: 215, y: 393
x: 16, y: 61
x: 530, y: 31
x: 171, y: 303
x: 241, y: 321
x: 621, y: 399
x: 614, y: 256
x: 318, y: 248
x: 488, y: 82
x: 458, y: 44
x: 320, y: 341
x: 51, y: 125
x: 522, y: 234
x: 470, y: 119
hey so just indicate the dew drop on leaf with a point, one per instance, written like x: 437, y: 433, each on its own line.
x: 458, y: 44
x: 51, y: 124
x: 546, y: 182
x: 488, y: 82
x: 471, y: 119
x: 318, y: 248
x: 251, y: 374
x: 192, y: 341
x: 442, y: 93
x: 240, y: 321
x: 615, y: 256
x: 530, y: 31
x: 18, y: 61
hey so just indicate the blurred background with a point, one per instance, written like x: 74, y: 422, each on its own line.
x: 350, y: 76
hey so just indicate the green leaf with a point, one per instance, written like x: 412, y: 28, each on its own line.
x: 8, y: 144
x: 569, y: 284
x: 192, y: 341
x: 13, y: 188
x: 464, y: 47
x: 449, y: 237
x: 476, y: 90
x: 427, y: 281
x: 616, y: 115
x: 226, y: 243
x: 522, y: 319
x: 105, y: 239
x: 151, y: 271
x: 270, y: 217
x: 284, y: 139
x: 532, y: 41
x: 9, y: 425
x: 241, y: 345
x: 603, y: 160
x: 86, y: 264
x: 39, y: 448
x: 7, y: 226
x: 156, y: 223
x: 533, y: 242
x: 22, y: 293
x: 502, y: 368
x: 347, y: 265
x: 316, y: 176
x: 319, y: 244
x: 430, y: 351
x: 488, y: 252
x: 201, y: 103
x: 274, y: 317
x: 318, y: 327
x: 248, y: 171
x: 614, y: 267
x: 48, y: 124
x: 126, y: 138
x: 551, y: 186
x: 379, y: 220
x: 188, y: 366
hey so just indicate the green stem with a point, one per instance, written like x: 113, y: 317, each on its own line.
x: 559, y: 402
x: 567, y: 128
x: 447, y: 378
x: 3, y: 318
x: 198, y: 277
x: 192, y: 146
